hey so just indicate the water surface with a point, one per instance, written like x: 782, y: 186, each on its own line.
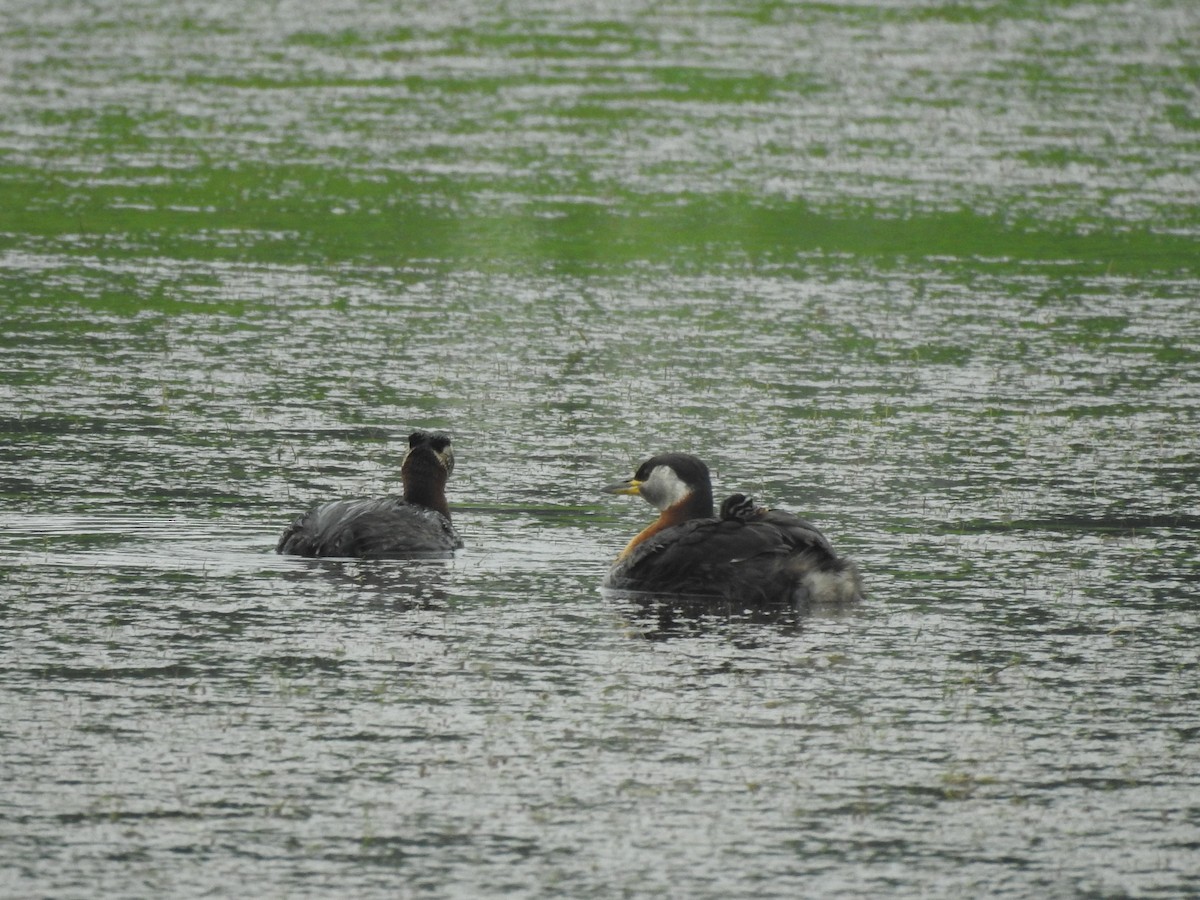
x: 923, y: 273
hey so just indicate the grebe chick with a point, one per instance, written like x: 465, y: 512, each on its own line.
x: 741, y: 508
x: 415, y: 525
x: 748, y: 554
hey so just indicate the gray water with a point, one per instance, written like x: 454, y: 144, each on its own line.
x: 924, y: 274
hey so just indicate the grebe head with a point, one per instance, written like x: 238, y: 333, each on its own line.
x: 426, y: 467
x: 434, y: 442
x: 670, y: 481
x: 741, y: 508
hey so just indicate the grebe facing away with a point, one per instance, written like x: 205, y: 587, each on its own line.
x: 417, y: 524
x: 748, y: 554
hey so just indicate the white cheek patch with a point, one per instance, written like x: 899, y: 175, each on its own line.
x: 663, y: 489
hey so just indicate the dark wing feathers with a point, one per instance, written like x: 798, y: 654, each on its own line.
x: 370, y: 528
x: 772, y: 557
x: 799, y: 532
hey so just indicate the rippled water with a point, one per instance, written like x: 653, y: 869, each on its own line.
x: 924, y: 273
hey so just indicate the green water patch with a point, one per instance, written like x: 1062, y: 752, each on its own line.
x: 50, y: 427
x: 1171, y: 352
x: 693, y: 83
x: 305, y: 213
x: 115, y: 673
x: 1181, y: 116
x: 1100, y: 524
x: 510, y: 38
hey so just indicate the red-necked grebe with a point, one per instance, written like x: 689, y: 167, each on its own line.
x: 749, y: 553
x: 417, y: 524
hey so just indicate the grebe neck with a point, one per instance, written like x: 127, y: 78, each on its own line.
x: 693, y: 506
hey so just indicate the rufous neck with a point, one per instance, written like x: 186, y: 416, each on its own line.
x: 691, y: 507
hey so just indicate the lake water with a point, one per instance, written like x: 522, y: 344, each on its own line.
x: 926, y: 273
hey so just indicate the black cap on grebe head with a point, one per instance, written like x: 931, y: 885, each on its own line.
x: 668, y: 480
